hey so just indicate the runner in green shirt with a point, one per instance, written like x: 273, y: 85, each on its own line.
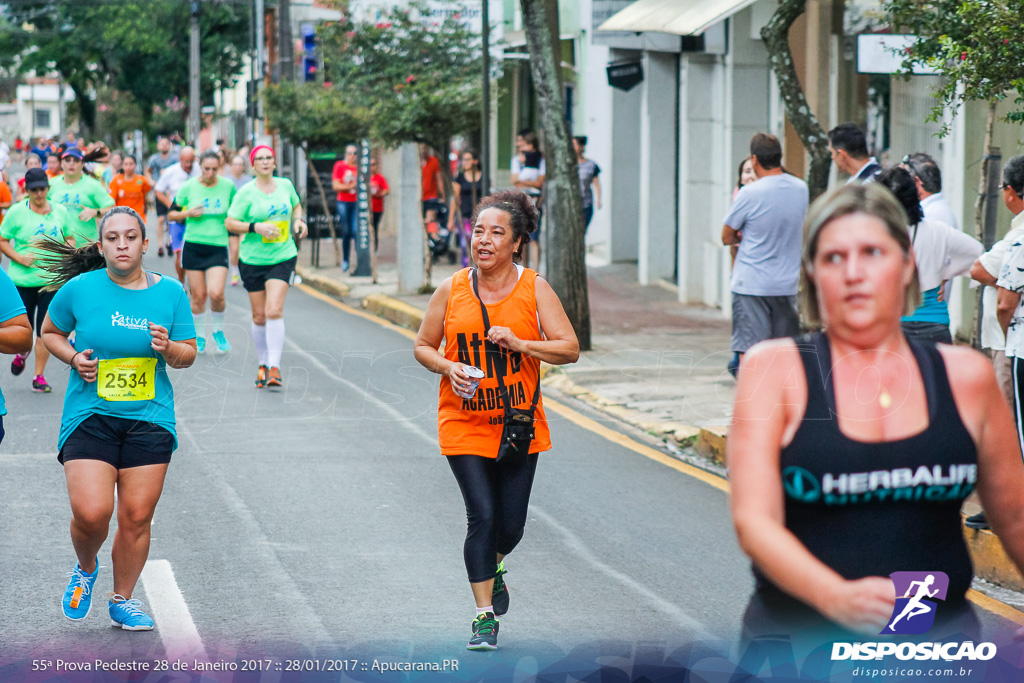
x: 202, y: 204
x: 265, y: 211
x: 83, y: 196
x: 26, y: 223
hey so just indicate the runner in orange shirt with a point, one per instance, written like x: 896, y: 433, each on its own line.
x: 129, y: 188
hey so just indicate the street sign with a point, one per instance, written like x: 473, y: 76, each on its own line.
x: 363, y: 267
x: 625, y: 75
x: 884, y: 54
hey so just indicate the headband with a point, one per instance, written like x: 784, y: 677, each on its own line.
x: 252, y: 155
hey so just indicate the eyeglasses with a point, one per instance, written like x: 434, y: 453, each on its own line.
x: 263, y: 159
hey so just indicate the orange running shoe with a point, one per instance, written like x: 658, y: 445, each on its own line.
x: 275, y: 378
x: 261, y: 376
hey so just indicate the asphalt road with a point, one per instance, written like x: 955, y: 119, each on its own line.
x: 318, y: 527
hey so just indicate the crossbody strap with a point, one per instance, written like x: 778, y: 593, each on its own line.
x: 501, y: 378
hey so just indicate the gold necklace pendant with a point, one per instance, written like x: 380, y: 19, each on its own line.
x: 884, y: 399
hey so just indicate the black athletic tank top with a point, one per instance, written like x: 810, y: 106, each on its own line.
x: 870, y: 509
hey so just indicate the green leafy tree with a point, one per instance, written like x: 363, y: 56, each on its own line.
x: 978, y: 47
x: 138, y: 47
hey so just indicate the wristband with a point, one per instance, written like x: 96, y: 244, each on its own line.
x: 72, y: 361
x: 252, y: 227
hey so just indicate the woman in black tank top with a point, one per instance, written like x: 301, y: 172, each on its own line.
x: 851, y: 450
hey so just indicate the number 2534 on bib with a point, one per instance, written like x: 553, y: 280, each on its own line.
x: 127, y: 379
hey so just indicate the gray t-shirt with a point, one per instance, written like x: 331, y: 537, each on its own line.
x: 588, y: 171
x: 770, y: 213
x: 157, y: 164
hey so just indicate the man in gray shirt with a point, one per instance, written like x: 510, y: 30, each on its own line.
x: 766, y: 221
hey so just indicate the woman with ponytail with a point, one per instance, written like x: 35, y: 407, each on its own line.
x: 117, y: 430
x: 265, y: 211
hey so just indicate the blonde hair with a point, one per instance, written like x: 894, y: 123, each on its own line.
x: 871, y: 199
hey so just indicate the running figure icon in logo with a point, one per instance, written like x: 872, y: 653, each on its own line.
x: 915, y: 587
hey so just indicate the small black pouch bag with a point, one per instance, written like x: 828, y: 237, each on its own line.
x: 517, y: 423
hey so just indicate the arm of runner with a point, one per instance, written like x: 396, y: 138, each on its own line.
x: 178, y: 354
x: 16, y: 335
x: 559, y: 346
x: 431, y: 332
x: 763, y: 416
x: 56, y: 342
x: 454, y: 207
x: 8, y: 249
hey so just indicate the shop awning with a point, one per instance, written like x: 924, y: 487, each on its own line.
x: 679, y: 17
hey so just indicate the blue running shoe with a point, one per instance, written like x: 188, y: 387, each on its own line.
x: 78, y: 595
x: 128, y: 614
x: 200, y: 344
x: 222, y: 343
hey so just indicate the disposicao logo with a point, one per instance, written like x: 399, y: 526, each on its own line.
x: 915, y: 608
x: 917, y: 594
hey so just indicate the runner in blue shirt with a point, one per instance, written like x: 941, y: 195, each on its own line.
x: 15, y: 330
x: 117, y: 430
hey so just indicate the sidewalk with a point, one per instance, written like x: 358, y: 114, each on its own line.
x: 656, y: 364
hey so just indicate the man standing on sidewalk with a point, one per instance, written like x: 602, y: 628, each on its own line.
x: 849, y: 148
x: 766, y: 221
x: 928, y: 177
x: 1002, y: 321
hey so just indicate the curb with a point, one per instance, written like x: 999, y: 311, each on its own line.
x: 988, y: 556
x: 393, y: 310
x: 328, y: 286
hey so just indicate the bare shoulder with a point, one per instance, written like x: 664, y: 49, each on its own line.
x: 966, y: 368
x: 766, y: 367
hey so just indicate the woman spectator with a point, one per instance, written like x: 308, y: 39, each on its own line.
x: 480, y: 403
x: 823, y: 546
x: 469, y: 189
x: 941, y: 252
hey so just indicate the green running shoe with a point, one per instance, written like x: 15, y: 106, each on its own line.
x: 485, y: 633
x: 499, y: 595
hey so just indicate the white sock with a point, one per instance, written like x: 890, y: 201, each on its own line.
x: 484, y: 610
x: 259, y: 338
x: 200, y: 321
x: 217, y: 317
x: 275, y: 342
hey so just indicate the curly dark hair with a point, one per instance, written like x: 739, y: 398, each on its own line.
x: 523, y: 215
x: 899, y: 181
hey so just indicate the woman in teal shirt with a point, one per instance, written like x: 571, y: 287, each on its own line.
x: 265, y: 211
x: 117, y: 429
x: 15, y: 331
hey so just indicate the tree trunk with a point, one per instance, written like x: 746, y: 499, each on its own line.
x: 566, y: 268
x: 979, y: 216
x: 327, y: 207
x: 776, y: 39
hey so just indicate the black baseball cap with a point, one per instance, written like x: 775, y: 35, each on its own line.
x: 36, y: 178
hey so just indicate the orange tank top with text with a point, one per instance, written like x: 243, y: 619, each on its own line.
x: 473, y: 426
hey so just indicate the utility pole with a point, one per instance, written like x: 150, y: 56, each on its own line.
x: 485, y: 119
x: 261, y: 73
x: 285, y: 49
x: 194, y: 124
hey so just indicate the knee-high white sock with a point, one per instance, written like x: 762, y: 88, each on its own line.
x: 217, y: 318
x: 275, y: 342
x: 200, y: 320
x: 259, y: 338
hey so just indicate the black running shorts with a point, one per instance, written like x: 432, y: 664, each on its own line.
x: 197, y: 256
x: 254, y: 278
x: 119, y: 441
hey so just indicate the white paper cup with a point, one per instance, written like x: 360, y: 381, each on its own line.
x: 478, y: 375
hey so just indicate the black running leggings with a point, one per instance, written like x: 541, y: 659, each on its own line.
x: 497, y: 495
x: 37, y: 303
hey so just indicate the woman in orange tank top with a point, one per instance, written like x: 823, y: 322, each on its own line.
x: 528, y: 325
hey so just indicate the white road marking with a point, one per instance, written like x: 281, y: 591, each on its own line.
x: 170, y: 612
x: 656, y: 602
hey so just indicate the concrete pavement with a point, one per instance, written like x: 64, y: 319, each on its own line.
x: 656, y: 364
